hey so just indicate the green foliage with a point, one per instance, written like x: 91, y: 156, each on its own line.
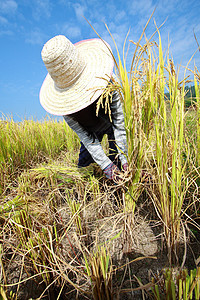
x: 26, y: 143
x: 156, y: 137
x: 180, y: 285
x: 2, y: 294
x: 52, y: 214
x: 99, y: 270
x: 189, y: 96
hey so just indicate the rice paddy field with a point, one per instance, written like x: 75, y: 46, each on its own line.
x: 69, y: 233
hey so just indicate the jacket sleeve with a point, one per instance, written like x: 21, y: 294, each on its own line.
x: 92, y: 145
x: 118, y: 126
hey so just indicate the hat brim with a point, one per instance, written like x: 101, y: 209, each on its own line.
x: 88, y: 87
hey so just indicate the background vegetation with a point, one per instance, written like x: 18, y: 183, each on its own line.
x: 189, y: 98
x: 69, y: 232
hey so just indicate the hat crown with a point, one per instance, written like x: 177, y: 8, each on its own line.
x: 63, y: 61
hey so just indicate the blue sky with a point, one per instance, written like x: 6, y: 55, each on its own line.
x: 26, y: 25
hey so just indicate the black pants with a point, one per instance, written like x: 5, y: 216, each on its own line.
x: 85, y: 159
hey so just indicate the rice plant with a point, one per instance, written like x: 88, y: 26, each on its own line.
x: 25, y: 143
x: 178, y: 285
x: 196, y: 82
x: 71, y: 229
x: 157, y: 145
x: 99, y: 270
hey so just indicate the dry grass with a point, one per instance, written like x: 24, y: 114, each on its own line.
x: 66, y: 231
x: 69, y: 232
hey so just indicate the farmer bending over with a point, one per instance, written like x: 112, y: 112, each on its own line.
x: 77, y: 77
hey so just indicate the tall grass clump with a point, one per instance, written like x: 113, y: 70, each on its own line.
x: 74, y: 233
x: 158, y: 148
x: 50, y: 229
x: 181, y: 286
x: 138, y: 111
x: 196, y: 83
x: 28, y: 142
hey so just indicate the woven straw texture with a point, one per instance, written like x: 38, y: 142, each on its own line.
x: 77, y: 74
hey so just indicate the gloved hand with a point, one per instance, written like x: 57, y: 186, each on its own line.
x: 112, y: 172
x: 125, y: 167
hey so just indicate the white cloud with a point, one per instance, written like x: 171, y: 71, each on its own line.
x: 41, y: 9
x: 3, y: 21
x: 8, y: 6
x: 62, y: 2
x: 142, y: 7
x: 35, y: 37
x: 79, y: 11
x: 171, y: 6
x: 71, y: 31
x: 120, y: 15
x: 6, y: 32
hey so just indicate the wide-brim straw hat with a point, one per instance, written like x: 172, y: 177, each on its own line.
x: 77, y: 74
